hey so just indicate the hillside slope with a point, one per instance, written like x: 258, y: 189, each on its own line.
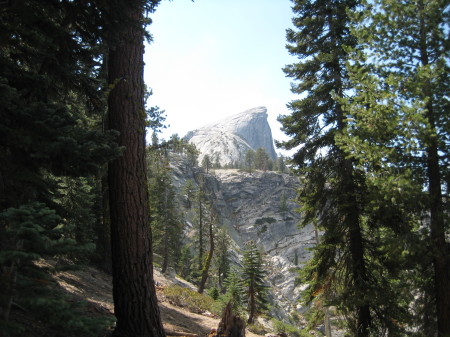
x: 95, y: 287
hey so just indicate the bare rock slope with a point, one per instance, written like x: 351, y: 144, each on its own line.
x: 228, y: 140
x: 258, y: 206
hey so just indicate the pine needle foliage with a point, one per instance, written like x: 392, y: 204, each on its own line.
x: 348, y: 269
x: 397, y: 132
x: 253, y: 280
x: 50, y: 138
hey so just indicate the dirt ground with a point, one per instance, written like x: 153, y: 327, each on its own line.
x: 95, y: 287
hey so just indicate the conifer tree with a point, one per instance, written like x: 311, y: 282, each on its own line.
x: 253, y: 281
x: 75, y: 202
x: 167, y: 230
x: 206, y: 163
x: 189, y: 192
x: 280, y: 164
x: 192, y: 154
x: 399, y: 131
x: 185, y: 262
x: 216, y: 164
x: 222, y: 256
x: 233, y: 287
x: 207, y: 264
x: 51, y: 103
x: 135, y: 302
x: 204, y: 232
x: 332, y: 190
x: 249, y: 163
x: 261, y: 159
x: 283, y: 206
x: 201, y: 206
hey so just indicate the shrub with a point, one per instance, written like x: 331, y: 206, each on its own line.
x: 290, y: 330
x: 268, y: 220
x: 214, y: 293
x: 257, y: 328
x: 189, y: 299
x: 263, y: 229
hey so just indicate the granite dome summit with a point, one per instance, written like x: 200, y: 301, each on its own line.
x: 228, y: 140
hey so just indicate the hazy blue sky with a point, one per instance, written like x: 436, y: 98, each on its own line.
x: 215, y: 58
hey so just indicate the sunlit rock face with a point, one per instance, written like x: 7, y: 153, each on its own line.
x: 228, y: 140
x: 258, y: 206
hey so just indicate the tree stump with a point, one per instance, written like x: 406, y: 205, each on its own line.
x: 230, y: 324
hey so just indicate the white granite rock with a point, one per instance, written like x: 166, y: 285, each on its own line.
x: 228, y: 140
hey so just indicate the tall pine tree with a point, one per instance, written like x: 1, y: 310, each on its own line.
x: 167, y: 228
x: 135, y: 302
x: 253, y: 282
x: 398, y: 130
x: 333, y: 189
x: 51, y: 102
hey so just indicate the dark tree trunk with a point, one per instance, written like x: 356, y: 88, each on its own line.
x: 103, y: 225
x: 200, y: 230
x: 441, y: 259
x: 166, y: 251
x: 439, y: 246
x: 251, y: 304
x: 350, y: 210
x: 230, y: 324
x: 359, y: 277
x: 205, y: 270
x: 350, y: 206
x: 134, y: 293
x: 103, y: 230
x: 439, y: 249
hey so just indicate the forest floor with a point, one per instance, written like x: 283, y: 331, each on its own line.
x: 95, y: 287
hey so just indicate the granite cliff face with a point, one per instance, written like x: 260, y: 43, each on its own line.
x: 228, y: 140
x: 258, y: 206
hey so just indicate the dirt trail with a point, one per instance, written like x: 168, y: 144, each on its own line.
x: 95, y: 287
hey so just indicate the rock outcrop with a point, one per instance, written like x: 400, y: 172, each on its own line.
x: 228, y: 140
x: 258, y: 206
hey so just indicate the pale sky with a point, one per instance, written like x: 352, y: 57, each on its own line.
x: 215, y: 58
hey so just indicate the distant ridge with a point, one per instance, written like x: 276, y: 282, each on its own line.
x: 228, y: 140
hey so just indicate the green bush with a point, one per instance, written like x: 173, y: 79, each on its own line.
x: 220, y: 304
x: 189, y: 299
x: 43, y: 234
x: 262, y: 229
x: 214, y: 293
x: 268, y: 220
x: 290, y: 330
x: 257, y: 328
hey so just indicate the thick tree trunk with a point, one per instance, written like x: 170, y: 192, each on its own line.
x: 441, y: 259
x: 350, y: 209
x: 356, y: 247
x: 359, y: 277
x: 134, y: 293
x: 349, y: 202
x: 103, y: 230
x: 230, y: 324
x: 326, y: 311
